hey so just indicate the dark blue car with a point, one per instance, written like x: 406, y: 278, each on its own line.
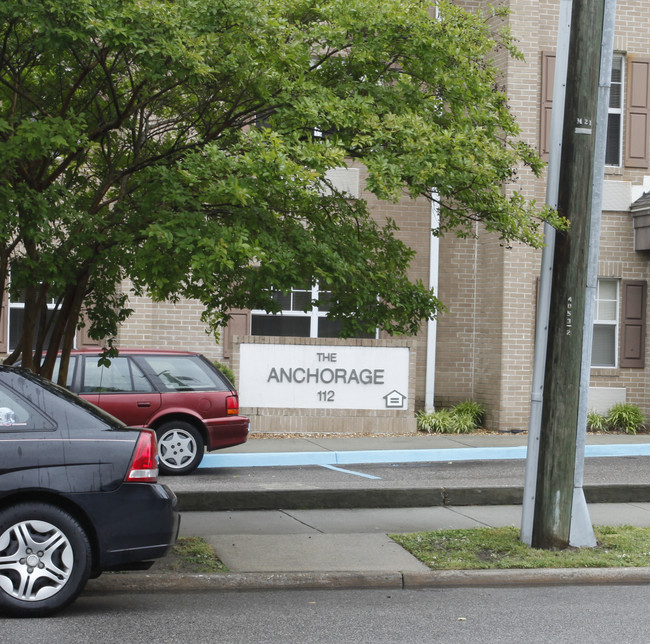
x: 78, y: 496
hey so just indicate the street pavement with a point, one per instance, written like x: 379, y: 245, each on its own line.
x: 317, y: 512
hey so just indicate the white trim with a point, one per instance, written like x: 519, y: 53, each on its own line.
x: 619, y: 110
x: 605, y: 322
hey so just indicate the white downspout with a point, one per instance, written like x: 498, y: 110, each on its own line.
x: 432, y: 324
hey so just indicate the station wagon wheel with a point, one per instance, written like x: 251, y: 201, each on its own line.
x: 180, y: 447
x: 45, y: 559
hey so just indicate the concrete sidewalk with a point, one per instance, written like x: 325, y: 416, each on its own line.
x: 296, y: 545
x: 333, y: 549
x: 357, y: 540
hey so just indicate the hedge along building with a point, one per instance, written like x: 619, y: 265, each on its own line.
x: 294, y: 377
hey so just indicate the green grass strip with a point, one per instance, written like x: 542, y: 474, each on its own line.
x: 500, y: 548
x: 190, y: 555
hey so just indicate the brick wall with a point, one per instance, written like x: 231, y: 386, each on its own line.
x: 617, y: 260
x: 414, y: 221
x: 167, y: 325
x: 455, y: 354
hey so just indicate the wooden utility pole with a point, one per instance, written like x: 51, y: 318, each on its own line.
x: 560, y: 407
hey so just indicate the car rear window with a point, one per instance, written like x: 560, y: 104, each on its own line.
x: 16, y: 413
x: 39, y: 405
x: 185, y: 373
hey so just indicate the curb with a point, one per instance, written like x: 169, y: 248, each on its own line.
x: 221, y: 582
x: 206, y: 500
x: 196, y: 501
x: 183, y: 582
x: 526, y: 577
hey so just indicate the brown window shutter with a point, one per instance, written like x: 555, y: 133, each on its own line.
x: 239, y: 324
x: 637, y: 112
x: 633, y: 324
x: 84, y: 341
x: 548, y: 79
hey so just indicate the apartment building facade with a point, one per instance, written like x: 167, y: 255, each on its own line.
x: 294, y: 375
x: 494, y: 329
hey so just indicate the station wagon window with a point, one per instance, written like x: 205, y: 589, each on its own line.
x: 121, y: 376
x: 57, y: 367
x: 184, y: 373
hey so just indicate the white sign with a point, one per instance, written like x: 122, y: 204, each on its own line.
x: 323, y: 377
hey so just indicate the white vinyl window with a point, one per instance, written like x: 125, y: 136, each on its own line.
x: 298, y: 318
x: 17, y: 317
x: 604, y: 351
x: 614, y: 147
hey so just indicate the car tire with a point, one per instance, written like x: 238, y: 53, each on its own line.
x: 45, y: 559
x: 180, y: 447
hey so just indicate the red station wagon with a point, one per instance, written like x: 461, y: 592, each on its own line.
x: 189, y: 403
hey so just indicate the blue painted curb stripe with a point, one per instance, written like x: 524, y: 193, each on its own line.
x: 641, y: 449
x: 287, y: 459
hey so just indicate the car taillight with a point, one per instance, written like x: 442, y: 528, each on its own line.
x: 232, y: 405
x: 144, y: 464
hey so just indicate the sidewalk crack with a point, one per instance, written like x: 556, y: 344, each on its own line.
x: 307, y: 525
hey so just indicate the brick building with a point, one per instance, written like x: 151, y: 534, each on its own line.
x: 485, y: 343
x: 482, y: 348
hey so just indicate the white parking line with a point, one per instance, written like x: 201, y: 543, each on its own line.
x: 339, y: 469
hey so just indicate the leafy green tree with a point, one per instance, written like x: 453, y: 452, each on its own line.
x: 186, y: 145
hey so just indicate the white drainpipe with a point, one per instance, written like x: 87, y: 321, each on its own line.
x: 432, y: 324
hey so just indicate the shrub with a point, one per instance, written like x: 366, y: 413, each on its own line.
x: 473, y: 409
x: 463, y: 418
x: 596, y: 422
x: 435, y: 422
x: 226, y: 371
x: 461, y: 422
x: 625, y: 417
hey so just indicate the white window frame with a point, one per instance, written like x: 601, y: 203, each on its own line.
x: 605, y: 322
x: 314, y: 314
x: 619, y: 109
x: 19, y: 306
